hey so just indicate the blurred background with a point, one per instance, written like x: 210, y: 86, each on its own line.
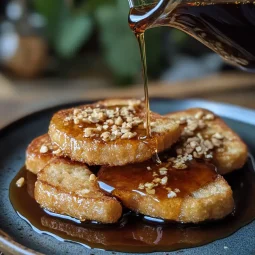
x: 86, y: 38
x: 65, y: 50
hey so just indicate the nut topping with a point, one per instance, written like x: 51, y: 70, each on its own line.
x: 20, y: 182
x: 164, y: 180
x: 92, y: 177
x: 44, y: 149
x: 118, y: 121
x: 194, y: 143
x: 171, y: 194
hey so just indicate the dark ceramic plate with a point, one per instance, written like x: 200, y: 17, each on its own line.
x: 17, y: 237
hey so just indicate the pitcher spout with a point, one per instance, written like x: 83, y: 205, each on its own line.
x: 149, y: 11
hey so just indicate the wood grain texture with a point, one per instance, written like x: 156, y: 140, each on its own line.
x: 18, y: 98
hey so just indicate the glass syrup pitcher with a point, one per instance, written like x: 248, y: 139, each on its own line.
x: 226, y: 27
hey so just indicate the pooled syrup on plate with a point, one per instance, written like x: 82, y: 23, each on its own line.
x: 137, y: 233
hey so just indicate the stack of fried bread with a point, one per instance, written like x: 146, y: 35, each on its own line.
x: 195, y: 147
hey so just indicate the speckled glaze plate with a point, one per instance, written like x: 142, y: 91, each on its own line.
x: 17, y: 237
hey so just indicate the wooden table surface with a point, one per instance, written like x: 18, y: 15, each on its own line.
x: 20, y: 98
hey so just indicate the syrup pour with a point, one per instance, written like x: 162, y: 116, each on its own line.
x: 223, y: 26
x: 141, y: 42
x: 137, y: 233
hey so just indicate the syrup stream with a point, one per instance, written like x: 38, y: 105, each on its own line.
x: 141, y: 42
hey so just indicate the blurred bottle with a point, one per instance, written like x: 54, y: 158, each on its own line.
x: 23, y: 49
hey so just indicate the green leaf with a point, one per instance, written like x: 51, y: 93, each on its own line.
x: 123, y: 57
x: 179, y: 36
x: 92, y: 5
x: 73, y: 32
x: 51, y: 11
x: 47, y: 8
x: 153, y: 40
x: 65, y: 31
x: 119, y: 43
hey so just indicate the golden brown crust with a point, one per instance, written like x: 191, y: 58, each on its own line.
x: 94, y: 151
x: 214, y: 201
x: 65, y: 187
x: 234, y: 153
x: 35, y: 160
x: 194, y: 194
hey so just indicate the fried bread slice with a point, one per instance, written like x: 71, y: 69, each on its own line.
x: 111, y: 132
x: 209, y: 134
x: 38, y: 154
x: 193, y: 194
x: 70, y: 188
x: 30, y: 181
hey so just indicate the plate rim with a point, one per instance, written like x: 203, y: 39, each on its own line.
x: 8, y: 244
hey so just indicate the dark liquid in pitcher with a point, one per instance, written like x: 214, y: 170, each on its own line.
x: 226, y: 28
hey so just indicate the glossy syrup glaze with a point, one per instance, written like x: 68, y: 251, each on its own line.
x: 158, y: 190
x: 131, y: 135
x: 128, y: 178
x: 76, y: 130
x: 137, y: 233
